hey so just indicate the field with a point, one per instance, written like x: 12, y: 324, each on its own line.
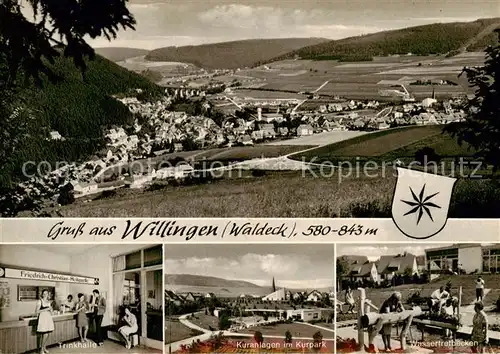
x: 364, y: 80
x: 285, y: 194
x: 297, y: 330
x: 176, y: 331
x: 387, y: 145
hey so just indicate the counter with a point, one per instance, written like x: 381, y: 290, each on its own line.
x: 20, y: 336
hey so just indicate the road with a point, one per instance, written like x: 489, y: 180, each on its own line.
x: 323, y: 85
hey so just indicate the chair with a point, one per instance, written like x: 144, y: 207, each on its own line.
x: 134, y: 339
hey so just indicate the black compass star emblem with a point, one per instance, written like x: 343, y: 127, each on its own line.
x: 421, y: 203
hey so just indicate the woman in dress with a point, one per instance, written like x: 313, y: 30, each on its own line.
x: 129, y: 328
x: 45, y: 322
x: 479, y: 329
x: 349, y: 299
x: 392, y: 304
x: 82, y: 321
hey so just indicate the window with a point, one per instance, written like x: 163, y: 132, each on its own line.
x: 486, y: 264
x: 131, y: 289
x: 153, y: 256
x: 133, y: 260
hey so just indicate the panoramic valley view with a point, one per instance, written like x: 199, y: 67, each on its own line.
x: 249, y: 298
x: 269, y: 119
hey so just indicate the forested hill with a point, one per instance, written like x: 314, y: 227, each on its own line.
x: 78, y: 109
x: 117, y: 54
x: 231, y: 55
x: 439, y: 38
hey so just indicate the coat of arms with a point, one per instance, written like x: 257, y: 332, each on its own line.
x: 421, y: 202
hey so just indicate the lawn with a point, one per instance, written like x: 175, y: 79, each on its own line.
x: 176, y: 331
x: 285, y: 194
x: 297, y: 330
x: 205, y: 321
x: 378, y: 296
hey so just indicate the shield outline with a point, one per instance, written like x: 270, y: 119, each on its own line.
x: 392, y: 215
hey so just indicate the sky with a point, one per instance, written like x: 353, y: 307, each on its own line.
x: 163, y: 23
x: 293, y: 266
x: 374, y: 252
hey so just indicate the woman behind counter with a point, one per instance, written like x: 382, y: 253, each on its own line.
x: 45, y: 322
x: 82, y: 321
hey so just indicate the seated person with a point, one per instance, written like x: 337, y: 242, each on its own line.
x: 129, y: 328
x: 439, y: 297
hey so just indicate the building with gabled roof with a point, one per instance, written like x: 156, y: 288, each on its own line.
x: 389, y: 266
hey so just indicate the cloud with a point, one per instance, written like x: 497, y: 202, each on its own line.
x: 178, y: 23
x: 374, y: 252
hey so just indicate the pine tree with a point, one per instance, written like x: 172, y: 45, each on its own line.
x: 482, y: 127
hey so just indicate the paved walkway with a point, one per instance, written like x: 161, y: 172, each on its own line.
x: 320, y: 327
x: 185, y: 321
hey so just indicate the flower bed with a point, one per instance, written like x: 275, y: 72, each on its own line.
x: 350, y: 345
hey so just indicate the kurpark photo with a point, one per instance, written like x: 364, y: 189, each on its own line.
x: 79, y: 298
x: 423, y: 298
x: 249, y: 298
x: 246, y: 108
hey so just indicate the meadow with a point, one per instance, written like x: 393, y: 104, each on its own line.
x: 389, y: 145
x: 285, y: 194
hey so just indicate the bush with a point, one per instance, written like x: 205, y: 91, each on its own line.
x: 426, y: 155
x: 224, y: 323
x: 66, y: 195
x: 475, y: 199
x: 258, y: 173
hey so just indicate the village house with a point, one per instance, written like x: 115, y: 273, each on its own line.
x: 139, y: 181
x: 55, y: 135
x: 245, y: 140
x: 178, y: 147
x: 314, y: 296
x: 172, y: 297
x: 283, y: 131
x: 334, y: 107
x: 85, y: 187
x: 177, y: 172
x: 267, y: 130
x: 257, y: 135
x: 389, y: 266
x: 304, y: 130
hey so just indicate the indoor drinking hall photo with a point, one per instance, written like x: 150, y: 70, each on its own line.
x: 81, y: 299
